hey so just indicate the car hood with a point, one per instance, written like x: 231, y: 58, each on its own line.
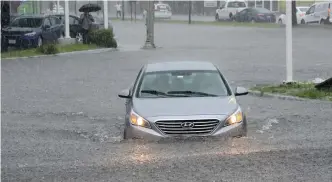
x: 20, y: 29
x: 186, y: 106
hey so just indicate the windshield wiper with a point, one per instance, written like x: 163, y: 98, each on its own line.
x: 154, y: 92
x: 191, y: 93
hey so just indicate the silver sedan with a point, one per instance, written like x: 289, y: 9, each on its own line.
x: 182, y: 99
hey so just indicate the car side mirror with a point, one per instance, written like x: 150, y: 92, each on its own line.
x: 307, y: 12
x: 124, y: 94
x: 241, y: 91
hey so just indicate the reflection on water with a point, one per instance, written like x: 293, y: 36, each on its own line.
x: 149, y: 152
x: 138, y: 152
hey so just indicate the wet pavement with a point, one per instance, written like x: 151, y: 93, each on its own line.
x: 62, y: 120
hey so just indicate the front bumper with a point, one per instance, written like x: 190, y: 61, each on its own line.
x: 155, y: 134
x: 20, y: 41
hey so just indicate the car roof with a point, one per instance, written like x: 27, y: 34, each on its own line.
x: 31, y: 16
x: 180, y: 66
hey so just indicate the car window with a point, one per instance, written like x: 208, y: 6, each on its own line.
x: 243, y: 12
x: 236, y: 4
x: 47, y: 22
x: 209, y: 82
x: 54, y: 20
x: 263, y: 10
x: 303, y: 9
x: 312, y: 9
x: 26, y: 22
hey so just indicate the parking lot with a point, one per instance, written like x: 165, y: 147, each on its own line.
x: 62, y: 119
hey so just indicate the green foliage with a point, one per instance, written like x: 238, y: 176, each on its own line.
x: 48, y: 49
x: 304, y: 90
x: 103, y: 38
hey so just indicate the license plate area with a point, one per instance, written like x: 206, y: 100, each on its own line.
x: 12, y: 41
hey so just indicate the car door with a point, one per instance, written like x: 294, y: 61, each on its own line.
x: 243, y: 15
x: 250, y: 14
x: 309, y: 17
x: 56, y: 27
x: 46, y: 30
x: 318, y: 13
x: 222, y: 12
x: 75, y: 27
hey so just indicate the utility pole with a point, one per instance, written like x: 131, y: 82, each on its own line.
x: 149, y: 43
x: 289, y: 44
x: 190, y: 6
x: 123, y: 14
x: 135, y: 10
x: 131, y: 10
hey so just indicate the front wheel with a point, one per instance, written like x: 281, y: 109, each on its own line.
x: 244, y: 130
x: 280, y: 21
x: 302, y: 22
x: 322, y: 21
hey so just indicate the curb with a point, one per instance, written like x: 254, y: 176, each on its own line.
x: 93, y: 51
x: 283, y: 97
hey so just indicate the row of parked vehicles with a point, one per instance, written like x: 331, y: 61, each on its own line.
x: 26, y: 31
x: 238, y: 10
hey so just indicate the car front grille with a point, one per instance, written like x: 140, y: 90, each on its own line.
x: 193, y: 127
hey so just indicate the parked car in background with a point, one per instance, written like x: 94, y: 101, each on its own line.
x: 74, y: 24
x: 32, y: 31
x: 99, y: 21
x: 300, y: 14
x: 255, y: 15
x: 162, y: 11
x: 229, y: 9
x: 318, y: 13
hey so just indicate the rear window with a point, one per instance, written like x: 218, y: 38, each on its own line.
x: 236, y: 4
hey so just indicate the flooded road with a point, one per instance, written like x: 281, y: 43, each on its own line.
x: 62, y: 119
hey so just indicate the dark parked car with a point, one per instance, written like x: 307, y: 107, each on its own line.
x: 255, y: 15
x: 32, y: 31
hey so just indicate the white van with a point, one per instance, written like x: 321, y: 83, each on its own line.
x: 229, y: 8
x: 318, y: 13
x: 162, y: 11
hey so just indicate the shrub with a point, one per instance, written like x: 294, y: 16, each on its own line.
x: 48, y: 49
x: 103, y: 38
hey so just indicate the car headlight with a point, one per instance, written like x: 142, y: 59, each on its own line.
x: 236, y: 117
x: 30, y: 34
x: 137, y: 120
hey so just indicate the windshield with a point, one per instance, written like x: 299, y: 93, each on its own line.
x: 163, y: 7
x: 303, y: 9
x: 236, y: 4
x: 27, y: 22
x: 182, y: 83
